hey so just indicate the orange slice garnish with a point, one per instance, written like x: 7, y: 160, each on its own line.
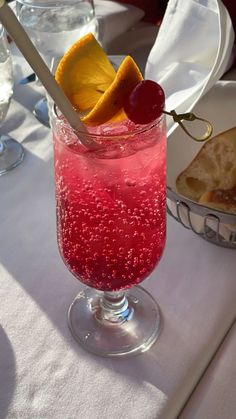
x: 91, y: 83
x: 84, y: 73
x: 111, y: 102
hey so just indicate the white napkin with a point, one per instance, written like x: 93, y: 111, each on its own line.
x: 192, y: 51
x: 115, y: 18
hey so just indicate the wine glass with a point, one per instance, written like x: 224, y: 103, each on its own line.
x: 111, y: 228
x: 11, y: 152
x: 53, y: 26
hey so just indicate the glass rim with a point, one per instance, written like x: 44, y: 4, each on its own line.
x: 140, y: 130
x: 49, y: 4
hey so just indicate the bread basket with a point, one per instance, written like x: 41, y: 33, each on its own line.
x: 218, y: 227
x: 215, y: 226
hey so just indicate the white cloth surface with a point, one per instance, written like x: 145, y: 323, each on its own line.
x: 192, y: 51
x: 214, y: 397
x: 115, y: 18
x: 44, y: 373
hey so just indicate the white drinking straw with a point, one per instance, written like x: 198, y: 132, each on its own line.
x: 21, y: 39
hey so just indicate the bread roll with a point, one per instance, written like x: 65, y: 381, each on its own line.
x: 213, y: 169
x: 223, y: 200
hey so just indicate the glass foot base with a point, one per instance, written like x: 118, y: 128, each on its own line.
x: 128, y: 331
x: 11, y: 154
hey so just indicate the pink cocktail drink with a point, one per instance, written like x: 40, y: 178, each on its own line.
x: 111, y: 202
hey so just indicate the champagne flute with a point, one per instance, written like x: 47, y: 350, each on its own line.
x: 53, y: 26
x: 11, y: 152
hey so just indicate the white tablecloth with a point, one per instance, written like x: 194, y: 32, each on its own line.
x: 43, y: 371
x: 214, y: 397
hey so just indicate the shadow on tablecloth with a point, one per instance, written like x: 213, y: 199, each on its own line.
x: 7, y: 368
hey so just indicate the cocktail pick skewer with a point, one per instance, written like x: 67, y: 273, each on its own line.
x: 21, y: 39
x: 189, y: 116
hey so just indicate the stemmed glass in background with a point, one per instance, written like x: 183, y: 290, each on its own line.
x: 53, y: 26
x: 11, y: 152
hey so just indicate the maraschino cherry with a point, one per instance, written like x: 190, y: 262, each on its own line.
x: 145, y: 103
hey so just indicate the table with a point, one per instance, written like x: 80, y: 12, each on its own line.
x: 214, y: 397
x: 44, y: 373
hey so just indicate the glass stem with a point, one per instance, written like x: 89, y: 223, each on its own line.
x: 114, y: 308
x: 2, y: 147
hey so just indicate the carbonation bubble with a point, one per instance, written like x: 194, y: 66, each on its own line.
x: 130, y: 182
